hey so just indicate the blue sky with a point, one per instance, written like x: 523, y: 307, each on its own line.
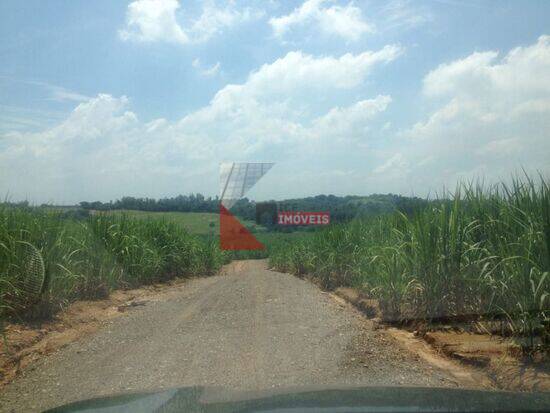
x: 109, y: 98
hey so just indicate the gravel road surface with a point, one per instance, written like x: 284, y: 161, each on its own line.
x: 247, y: 329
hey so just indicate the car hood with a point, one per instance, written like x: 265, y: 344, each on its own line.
x: 364, y: 399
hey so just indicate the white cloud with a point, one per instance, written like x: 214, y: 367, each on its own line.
x: 521, y: 76
x: 344, y: 21
x: 471, y: 72
x: 153, y: 20
x: 55, y: 92
x: 350, y: 122
x: 402, y: 14
x: 500, y: 148
x: 61, y: 94
x: 396, y: 164
x: 103, y: 151
x: 13, y: 117
x: 298, y: 73
x: 206, y: 71
x: 492, y: 117
x: 213, y: 20
x: 272, y: 106
x: 72, y: 157
x: 158, y: 20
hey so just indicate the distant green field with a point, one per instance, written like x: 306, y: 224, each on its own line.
x: 207, y: 224
x: 201, y: 223
x: 273, y: 241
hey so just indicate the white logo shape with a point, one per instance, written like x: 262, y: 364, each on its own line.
x: 236, y: 179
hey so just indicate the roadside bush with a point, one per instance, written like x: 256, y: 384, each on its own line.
x: 480, y: 253
x: 87, y: 258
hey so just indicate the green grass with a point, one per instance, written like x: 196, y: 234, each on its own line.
x: 482, y: 253
x: 88, y: 258
x: 201, y: 223
x: 272, y: 241
x: 207, y: 226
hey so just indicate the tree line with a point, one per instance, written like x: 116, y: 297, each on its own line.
x: 341, y: 208
x: 180, y: 203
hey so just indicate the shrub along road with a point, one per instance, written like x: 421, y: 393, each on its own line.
x: 249, y: 328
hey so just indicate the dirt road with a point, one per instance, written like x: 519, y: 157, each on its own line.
x: 249, y: 328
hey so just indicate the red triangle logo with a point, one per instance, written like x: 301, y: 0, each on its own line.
x: 233, y: 235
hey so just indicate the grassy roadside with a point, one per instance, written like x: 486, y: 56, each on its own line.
x: 198, y: 223
x: 88, y: 258
x: 484, y: 254
x: 272, y: 241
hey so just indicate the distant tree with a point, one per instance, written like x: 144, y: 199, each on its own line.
x: 341, y: 208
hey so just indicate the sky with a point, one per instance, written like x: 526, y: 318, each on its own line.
x: 103, y: 99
